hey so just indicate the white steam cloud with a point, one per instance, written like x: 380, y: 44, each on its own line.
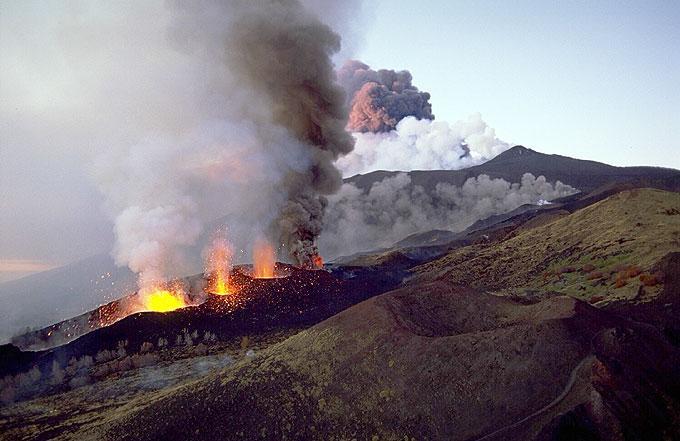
x: 424, y: 145
x: 394, y: 208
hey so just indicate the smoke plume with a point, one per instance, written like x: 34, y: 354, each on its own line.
x: 380, y: 99
x: 252, y: 141
x: 394, y: 208
x: 284, y: 55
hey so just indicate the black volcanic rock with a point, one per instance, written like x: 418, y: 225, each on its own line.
x: 260, y: 306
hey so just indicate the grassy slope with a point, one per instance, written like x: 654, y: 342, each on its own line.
x: 430, y: 362
x: 632, y: 228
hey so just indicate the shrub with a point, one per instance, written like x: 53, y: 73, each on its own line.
x: 141, y: 360
x: 102, y: 370
x: 85, y: 362
x: 162, y: 342
x: 595, y: 275
x: 588, y: 268
x: 651, y: 279
x: 7, y: 394
x: 209, y: 337
x: 200, y: 350
x: 57, y: 373
x: 72, y: 366
x: 104, y: 356
x: 146, y: 347
x: 632, y: 271
x: 79, y: 381
x: 124, y: 364
x: 24, y: 380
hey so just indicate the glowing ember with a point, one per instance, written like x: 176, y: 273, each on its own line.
x: 218, y: 266
x: 263, y: 260
x: 162, y: 300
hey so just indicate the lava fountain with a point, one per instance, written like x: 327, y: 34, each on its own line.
x: 218, y: 266
x: 263, y: 260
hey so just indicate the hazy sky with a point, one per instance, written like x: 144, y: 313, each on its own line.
x: 596, y: 80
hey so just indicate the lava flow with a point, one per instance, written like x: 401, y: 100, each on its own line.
x: 218, y: 266
x: 263, y: 260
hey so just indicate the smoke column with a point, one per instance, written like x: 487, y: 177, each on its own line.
x: 245, y: 123
x: 284, y: 55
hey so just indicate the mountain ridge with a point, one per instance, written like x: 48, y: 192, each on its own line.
x: 586, y: 175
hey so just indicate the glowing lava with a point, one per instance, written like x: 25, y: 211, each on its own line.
x: 263, y: 260
x: 163, y: 300
x: 218, y: 266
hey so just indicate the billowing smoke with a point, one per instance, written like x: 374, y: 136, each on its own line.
x: 424, y: 145
x: 393, y: 208
x: 284, y: 55
x: 394, y: 127
x: 378, y: 100
x: 253, y: 142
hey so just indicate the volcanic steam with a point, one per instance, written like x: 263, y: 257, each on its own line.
x: 254, y: 141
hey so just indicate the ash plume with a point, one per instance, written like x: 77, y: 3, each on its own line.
x: 284, y: 54
x: 378, y: 100
x: 393, y: 208
x: 245, y: 123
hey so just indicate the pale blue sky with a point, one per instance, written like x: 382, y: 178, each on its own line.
x: 591, y: 79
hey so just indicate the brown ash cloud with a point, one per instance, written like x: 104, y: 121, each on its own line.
x: 378, y: 100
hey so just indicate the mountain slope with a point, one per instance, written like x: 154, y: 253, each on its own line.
x: 596, y: 254
x: 48, y: 297
x: 427, y: 362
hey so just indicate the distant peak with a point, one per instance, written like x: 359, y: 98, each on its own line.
x: 517, y: 150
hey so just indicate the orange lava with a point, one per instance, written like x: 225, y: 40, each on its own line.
x: 163, y: 300
x: 263, y: 260
x: 317, y: 261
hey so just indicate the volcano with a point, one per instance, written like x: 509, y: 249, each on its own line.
x: 556, y: 321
